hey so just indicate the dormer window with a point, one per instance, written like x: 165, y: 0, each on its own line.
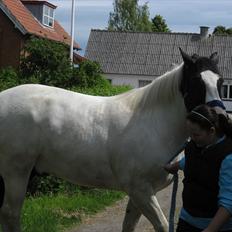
x: 42, y: 11
x: 48, y: 16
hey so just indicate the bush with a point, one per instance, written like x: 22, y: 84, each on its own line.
x: 46, y: 62
x: 8, y: 78
x: 89, y: 75
x: 102, y: 91
x: 45, y: 184
x: 49, y: 185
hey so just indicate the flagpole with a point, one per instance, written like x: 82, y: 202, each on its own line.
x: 72, y: 30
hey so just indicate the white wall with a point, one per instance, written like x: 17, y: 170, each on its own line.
x: 228, y: 105
x: 131, y: 80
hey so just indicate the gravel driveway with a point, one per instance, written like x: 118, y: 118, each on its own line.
x: 110, y: 220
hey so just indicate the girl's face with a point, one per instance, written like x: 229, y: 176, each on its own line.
x: 200, y: 136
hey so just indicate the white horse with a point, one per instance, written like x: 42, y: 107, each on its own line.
x: 120, y: 142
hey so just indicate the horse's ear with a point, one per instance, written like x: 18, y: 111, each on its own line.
x: 214, y: 58
x: 195, y: 56
x: 186, y: 58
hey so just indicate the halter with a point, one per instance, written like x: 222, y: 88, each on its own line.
x: 216, y: 103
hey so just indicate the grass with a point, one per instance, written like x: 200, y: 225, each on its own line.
x: 57, y: 213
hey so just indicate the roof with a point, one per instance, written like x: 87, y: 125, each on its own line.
x: 77, y: 59
x: 38, y: 2
x: 28, y: 24
x: 152, y: 54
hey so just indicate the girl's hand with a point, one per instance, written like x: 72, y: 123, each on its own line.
x: 172, y: 168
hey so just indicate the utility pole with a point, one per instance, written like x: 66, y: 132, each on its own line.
x: 72, y: 30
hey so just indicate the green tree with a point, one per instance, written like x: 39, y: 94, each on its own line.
x: 229, y: 31
x: 221, y: 30
x: 129, y: 16
x: 159, y: 24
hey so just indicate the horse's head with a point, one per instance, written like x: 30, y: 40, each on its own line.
x: 201, y: 81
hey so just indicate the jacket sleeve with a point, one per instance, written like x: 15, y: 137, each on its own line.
x: 225, y: 184
x: 182, y: 163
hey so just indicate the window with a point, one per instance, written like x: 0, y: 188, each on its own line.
x: 226, y: 91
x: 110, y: 81
x: 144, y: 82
x: 230, y: 91
x: 48, y: 16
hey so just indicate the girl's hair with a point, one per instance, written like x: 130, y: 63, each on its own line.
x: 206, y: 117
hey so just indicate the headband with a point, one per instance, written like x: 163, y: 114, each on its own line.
x: 202, y: 116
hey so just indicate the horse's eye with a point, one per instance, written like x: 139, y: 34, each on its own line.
x: 196, y: 78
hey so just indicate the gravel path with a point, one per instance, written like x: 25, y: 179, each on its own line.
x: 110, y: 220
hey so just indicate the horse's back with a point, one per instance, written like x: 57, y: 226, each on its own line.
x: 32, y: 98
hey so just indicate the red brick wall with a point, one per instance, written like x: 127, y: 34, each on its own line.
x: 0, y: 47
x: 11, y: 42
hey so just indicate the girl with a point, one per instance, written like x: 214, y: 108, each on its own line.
x: 207, y: 166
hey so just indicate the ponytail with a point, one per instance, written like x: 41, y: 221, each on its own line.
x: 225, y: 123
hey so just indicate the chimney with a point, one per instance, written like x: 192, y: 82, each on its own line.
x: 204, y: 32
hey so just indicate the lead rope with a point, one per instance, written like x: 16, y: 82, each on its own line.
x: 174, y: 192
x: 173, y: 203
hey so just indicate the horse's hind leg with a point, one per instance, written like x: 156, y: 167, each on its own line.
x: 131, y: 217
x: 143, y: 197
x: 15, y: 190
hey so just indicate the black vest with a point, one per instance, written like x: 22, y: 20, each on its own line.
x: 202, y: 166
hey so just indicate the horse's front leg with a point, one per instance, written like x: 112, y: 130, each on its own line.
x: 131, y: 218
x: 144, y: 198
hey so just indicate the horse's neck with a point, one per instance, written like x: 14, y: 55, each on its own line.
x: 163, y: 92
x: 165, y: 88
x: 161, y: 105
x: 172, y: 126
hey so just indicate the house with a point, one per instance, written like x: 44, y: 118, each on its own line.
x: 137, y: 58
x: 19, y: 19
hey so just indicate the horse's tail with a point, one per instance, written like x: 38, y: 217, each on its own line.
x: 2, y: 191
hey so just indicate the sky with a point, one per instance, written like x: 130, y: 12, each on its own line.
x: 180, y: 15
